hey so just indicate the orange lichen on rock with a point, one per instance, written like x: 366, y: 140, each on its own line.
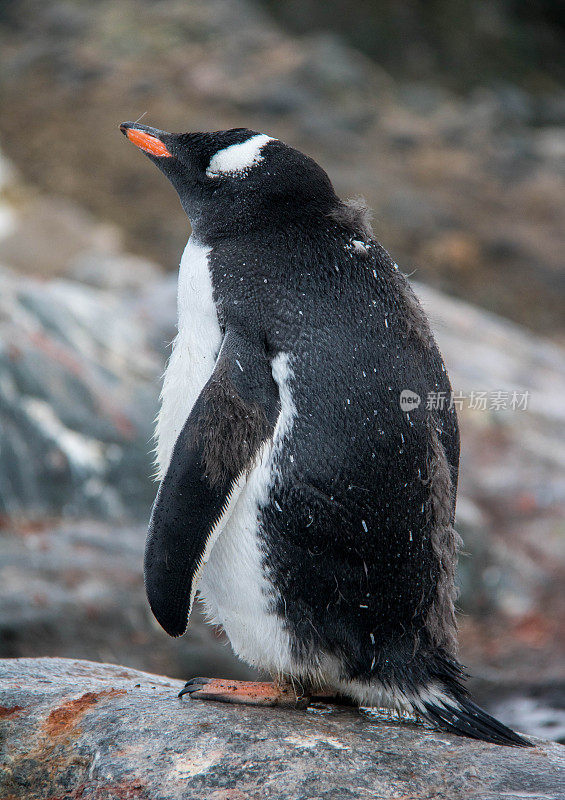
x: 7, y: 711
x: 64, y: 718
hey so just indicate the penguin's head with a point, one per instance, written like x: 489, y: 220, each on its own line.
x: 236, y: 180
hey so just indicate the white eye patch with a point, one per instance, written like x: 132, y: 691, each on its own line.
x: 238, y: 158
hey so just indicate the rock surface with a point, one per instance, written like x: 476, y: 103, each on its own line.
x: 74, y: 729
x: 78, y: 392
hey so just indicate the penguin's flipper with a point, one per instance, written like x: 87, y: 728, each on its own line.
x: 230, y: 423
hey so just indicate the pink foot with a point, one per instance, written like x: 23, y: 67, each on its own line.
x: 250, y: 693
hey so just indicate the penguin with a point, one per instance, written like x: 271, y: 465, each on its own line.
x: 307, y: 487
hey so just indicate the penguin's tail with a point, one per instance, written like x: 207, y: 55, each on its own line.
x: 451, y: 709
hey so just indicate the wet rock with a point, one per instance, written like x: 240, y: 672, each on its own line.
x: 76, y: 729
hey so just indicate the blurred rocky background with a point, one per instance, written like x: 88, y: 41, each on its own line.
x: 449, y: 118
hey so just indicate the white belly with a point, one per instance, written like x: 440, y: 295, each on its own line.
x: 233, y: 585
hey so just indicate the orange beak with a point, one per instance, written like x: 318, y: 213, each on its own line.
x: 148, y: 143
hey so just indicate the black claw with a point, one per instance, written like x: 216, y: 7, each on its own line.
x: 193, y: 685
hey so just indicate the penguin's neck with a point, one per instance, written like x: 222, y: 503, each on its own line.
x: 195, y: 297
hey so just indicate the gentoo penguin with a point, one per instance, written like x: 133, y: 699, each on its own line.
x: 302, y: 494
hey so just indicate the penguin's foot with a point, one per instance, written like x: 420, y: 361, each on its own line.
x: 251, y: 693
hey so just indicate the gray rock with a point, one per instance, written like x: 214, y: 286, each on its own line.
x: 544, y: 710
x: 550, y: 144
x: 78, y: 392
x: 113, y: 271
x: 46, y: 234
x: 76, y: 589
x: 74, y: 729
x: 512, y: 467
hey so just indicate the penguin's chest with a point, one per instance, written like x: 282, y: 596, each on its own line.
x: 234, y: 586
x: 194, y: 351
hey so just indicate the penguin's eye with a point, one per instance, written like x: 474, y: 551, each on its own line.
x: 237, y: 159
